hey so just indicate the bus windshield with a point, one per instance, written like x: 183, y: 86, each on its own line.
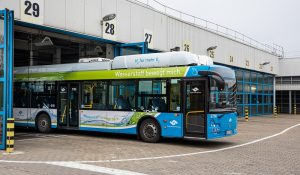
x: 223, y: 100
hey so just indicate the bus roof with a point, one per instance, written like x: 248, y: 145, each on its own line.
x: 70, y: 67
x: 155, y: 60
x: 167, y: 59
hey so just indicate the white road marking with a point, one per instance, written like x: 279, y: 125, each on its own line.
x: 94, y: 168
x: 42, y: 137
x: 13, y: 153
x: 233, y: 173
x: 31, y: 135
x: 195, y: 153
x: 23, y: 134
x: 160, y: 157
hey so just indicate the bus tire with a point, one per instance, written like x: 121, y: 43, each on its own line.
x: 43, y: 123
x: 149, y: 131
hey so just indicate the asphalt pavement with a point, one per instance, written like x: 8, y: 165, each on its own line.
x: 264, y: 145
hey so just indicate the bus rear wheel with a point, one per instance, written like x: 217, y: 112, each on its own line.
x: 149, y: 131
x: 43, y: 123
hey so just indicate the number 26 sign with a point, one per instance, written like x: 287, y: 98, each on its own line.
x: 32, y: 11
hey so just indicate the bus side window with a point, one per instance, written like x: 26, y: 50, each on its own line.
x: 122, y: 95
x: 43, y: 94
x: 94, y: 95
x: 175, y: 92
x: 152, y: 95
x: 21, y: 95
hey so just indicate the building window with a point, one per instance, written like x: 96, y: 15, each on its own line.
x: 255, y: 91
x: 247, y: 76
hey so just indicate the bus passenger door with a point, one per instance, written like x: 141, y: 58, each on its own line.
x: 194, y: 107
x: 68, y: 106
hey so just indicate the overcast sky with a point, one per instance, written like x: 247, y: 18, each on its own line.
x: 268, y: 21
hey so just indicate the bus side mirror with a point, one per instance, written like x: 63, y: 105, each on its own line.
x: 220, y: 82
x: 216, y: 76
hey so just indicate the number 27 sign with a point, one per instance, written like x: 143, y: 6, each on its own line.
x: 32, y: 11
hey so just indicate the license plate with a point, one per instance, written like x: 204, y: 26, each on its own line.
x: 229, y: 132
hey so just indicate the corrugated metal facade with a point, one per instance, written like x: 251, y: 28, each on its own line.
x: 84, y: 16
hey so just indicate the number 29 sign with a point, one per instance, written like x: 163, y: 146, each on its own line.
x: 32, y: 11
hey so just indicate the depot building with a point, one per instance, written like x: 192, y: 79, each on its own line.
x: 63, y: 31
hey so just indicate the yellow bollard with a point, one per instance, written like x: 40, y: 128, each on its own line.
x: 275, y: 111
x: 295, y: 109
x: 246, y: 114
x: 10, y: 133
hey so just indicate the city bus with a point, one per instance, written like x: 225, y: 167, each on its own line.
x: 169, y: 95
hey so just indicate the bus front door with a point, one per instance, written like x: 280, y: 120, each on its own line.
x: 68, y: 108
x: 195, y: 108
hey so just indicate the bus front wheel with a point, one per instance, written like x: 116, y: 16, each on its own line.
x: 43, y: 123
x: 149, y: 131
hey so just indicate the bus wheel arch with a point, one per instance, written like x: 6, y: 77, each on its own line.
x: 151, y: 124
x: 43, y: 122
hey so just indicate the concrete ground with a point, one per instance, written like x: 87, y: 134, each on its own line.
x: 264, y: 145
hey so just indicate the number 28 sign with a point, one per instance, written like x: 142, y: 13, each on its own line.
x: 109, y: 30
x: 32, y: 11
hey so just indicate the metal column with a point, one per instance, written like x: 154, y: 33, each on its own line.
x: 290, y: 102
x: 274, y: 92
x: 6, y: 71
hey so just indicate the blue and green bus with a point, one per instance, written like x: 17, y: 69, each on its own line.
x: 174, y: 95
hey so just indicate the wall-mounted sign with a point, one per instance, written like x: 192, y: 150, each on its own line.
x: 186, y: 46
x: 148, y: 37
x: 109, y: 29
x: 231, y: 59
x: 32, y: 11
x: 247, y: 63
x: 211, y: 53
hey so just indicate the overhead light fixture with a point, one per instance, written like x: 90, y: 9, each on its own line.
x: 265, y: 63
x: 44, y: 42
x: 253, y: 88
x: 211, y: 48
x: 175, y: 49
x: 109, y: 17
x: 98, y: 49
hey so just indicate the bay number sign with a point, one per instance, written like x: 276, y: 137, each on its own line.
x: 32, y: 11
x: 109, y: 29
x: 148, y: 37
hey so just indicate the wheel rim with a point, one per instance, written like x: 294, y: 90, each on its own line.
x: 43, y: 124
x: 150, y: 130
